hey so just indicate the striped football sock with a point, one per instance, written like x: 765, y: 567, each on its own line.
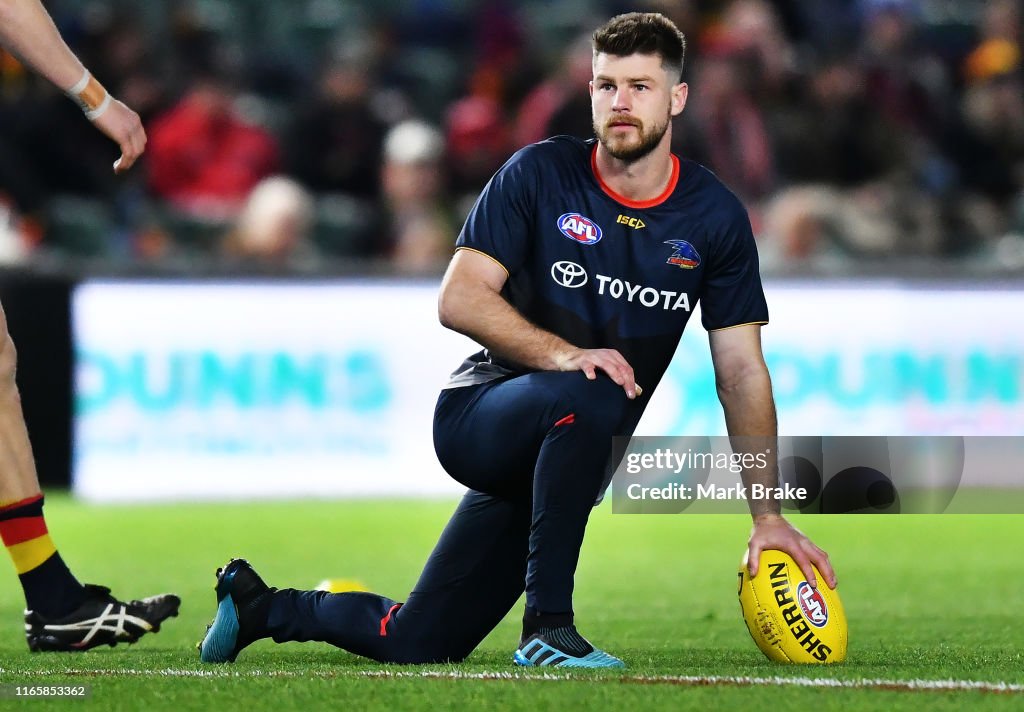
x: 50, y: 587
x: 567, y: 639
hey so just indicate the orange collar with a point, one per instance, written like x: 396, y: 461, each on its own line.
x: 672, y: 181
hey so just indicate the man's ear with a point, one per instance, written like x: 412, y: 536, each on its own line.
x: 679, y: 94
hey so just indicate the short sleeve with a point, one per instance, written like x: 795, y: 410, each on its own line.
x: 732, y: 294
x: 500, y: 222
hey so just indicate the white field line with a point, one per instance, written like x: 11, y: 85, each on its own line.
x: 681, y: 680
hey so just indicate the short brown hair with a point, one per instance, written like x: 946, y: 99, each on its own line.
x: 643, y: 33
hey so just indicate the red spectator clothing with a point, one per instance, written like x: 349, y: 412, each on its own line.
x: 205, y: 161
x: 536, y: 111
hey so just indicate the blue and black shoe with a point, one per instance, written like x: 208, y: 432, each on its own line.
x: 243, y: 601
x: 562, y: 647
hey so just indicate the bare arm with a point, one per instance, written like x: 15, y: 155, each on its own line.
x: 27, y: 30
x: 470, y: 302
x: 745, y: 391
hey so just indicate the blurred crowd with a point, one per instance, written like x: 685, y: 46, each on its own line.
x: 302, y: 134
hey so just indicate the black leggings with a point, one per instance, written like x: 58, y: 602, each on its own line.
x: 534, y: 451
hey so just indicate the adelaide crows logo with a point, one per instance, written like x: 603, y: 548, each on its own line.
x: 683, y: 255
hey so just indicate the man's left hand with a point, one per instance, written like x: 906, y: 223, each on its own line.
x: 123, y: 126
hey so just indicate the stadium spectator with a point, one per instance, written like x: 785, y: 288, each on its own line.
x: 987, y: 144
x: 904, y: 82
x: 61, y: 614
x: 204, y: 157
x: 558, y: 105
x: 477, y: 141
x: 273, y: 227
x: 925, y: 73
x: 834, y: 134
x: 998, y: 50
x: 420, y: 229
x: 731, y: 125
x: 116, y: 44
x: 335, y: 142
x: 478, y: 134
x: 752, y: 28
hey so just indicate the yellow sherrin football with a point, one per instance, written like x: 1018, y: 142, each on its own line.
x: 790, y: 621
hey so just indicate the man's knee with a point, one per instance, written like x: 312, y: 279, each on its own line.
x: 597, y: 406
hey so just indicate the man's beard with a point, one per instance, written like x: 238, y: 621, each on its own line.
x: 631, y: 151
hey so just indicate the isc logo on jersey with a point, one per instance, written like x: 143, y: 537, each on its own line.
x: 579, y: 228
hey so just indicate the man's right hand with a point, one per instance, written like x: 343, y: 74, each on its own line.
x: 123, y: 126
x: 771, y: 531
x: 590, y: 361
x: 471, y: 303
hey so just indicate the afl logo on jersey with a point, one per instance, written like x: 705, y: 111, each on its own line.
x: 579, y: 228
x: 683, y: 255
x: 568, y: 274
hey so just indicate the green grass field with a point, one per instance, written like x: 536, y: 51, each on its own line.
x: 928, y: 598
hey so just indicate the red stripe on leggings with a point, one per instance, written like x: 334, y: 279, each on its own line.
x: 567, y: 420
x: 387, y: 619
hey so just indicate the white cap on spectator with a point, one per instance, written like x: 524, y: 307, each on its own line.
x: 277, y: 212
x: 413, y: 141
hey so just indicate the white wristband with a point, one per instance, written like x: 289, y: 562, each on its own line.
x: 90, y: 96
x: 99, y: 110
x: 80, y: 86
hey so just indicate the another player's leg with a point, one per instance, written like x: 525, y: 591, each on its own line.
x: 470, y: 582
x: 559, y: 426
x: 61, y: 613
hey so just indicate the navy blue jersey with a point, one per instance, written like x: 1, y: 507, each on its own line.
x: 602, y: 271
